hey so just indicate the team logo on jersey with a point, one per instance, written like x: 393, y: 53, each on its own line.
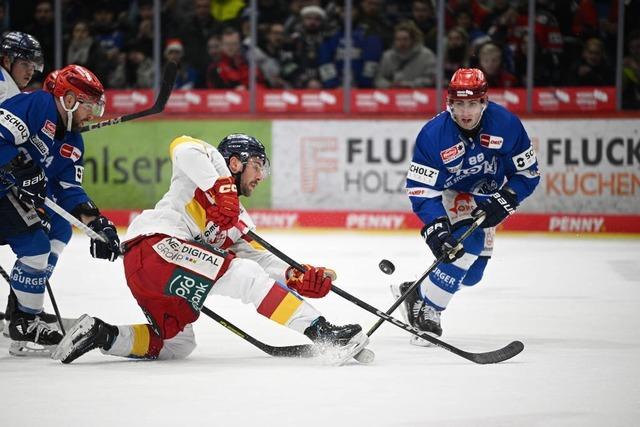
x: 452, y: 153
x: 70, y: 152
x: 524, y: 159
x: 49, y: 128
x: 15, y: 125
x: 491, y: 141
x: 422, y: 173
x: 39, y: 144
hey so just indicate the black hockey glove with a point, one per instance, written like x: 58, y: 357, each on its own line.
x: 105, y: 250
x: 438, y: 236
x: 496, y: 208
x: 31, y: 183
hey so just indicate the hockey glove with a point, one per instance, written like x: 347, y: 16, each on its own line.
x: 226, y: 210
x: 45, y: 221
x: 105, y: 250
x: 497, y: 207
x: 438, y: 236
x: 313, y: 283
x: 31, y: 184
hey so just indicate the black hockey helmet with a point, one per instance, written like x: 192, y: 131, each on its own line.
x: 18, y: 45
x: 243, y: 147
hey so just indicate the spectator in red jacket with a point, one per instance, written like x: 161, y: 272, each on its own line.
x: 232, y: 69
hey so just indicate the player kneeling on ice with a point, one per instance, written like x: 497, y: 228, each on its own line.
x: 190, y: 245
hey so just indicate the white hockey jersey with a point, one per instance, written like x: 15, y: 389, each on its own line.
x: 8, y: 87
x: 197, y: 165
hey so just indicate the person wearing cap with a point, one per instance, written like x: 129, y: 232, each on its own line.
x: 473, y: 161
x: 187, y: 76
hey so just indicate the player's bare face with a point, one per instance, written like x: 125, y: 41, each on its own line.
x: 22, y: 72
x: 467, y: 113
x: 254, y: 172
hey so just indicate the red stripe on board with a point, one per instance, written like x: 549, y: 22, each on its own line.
x: 377, y: 220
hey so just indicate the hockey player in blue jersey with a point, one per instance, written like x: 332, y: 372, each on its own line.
x: 474, y: 158
x: 41, y: 156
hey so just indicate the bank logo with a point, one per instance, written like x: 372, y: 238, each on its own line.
x: 188, y: 286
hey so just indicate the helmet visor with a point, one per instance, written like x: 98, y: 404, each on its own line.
x: 95, y: 106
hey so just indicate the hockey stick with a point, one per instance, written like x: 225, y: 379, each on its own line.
x: 53, y: 300
x: 302, y: 350
x: 435, y: 263
x: 495, y: 356
x: 168, y: 80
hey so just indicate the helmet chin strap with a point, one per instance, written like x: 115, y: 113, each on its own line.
x: 69, y: 112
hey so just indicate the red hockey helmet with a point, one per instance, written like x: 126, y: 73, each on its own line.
x: 50, y: 82
x: 84, y: 84
x: 467, y: 83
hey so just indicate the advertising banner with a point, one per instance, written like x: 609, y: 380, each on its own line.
x: 587, y: 166
x: 127, y: 166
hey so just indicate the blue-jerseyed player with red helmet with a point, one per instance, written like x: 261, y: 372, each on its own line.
x: 474, y: 158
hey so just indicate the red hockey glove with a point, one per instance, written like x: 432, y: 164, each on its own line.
x: 226, y: 209
x: 313, y: 283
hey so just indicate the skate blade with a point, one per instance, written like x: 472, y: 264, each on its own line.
x: 30, y: 349
x: 420, y: 342
x: 74, y: 335
x: 365, y: 356
x: 355, y: 346
x: 395, y: 291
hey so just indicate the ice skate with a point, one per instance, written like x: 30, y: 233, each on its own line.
x: 85, y: 335
x: 418, y: 314
x: 30, y: 336
x: 341, y: 343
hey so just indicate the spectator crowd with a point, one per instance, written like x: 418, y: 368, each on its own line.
x: 300, y: 43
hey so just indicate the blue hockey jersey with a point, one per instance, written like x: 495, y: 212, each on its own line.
x: 29, y: 123
x: 444, y: 159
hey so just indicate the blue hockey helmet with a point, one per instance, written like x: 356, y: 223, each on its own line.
x: 18, y: 45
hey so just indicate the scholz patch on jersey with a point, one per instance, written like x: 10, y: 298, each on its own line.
x: 70, y: 152
x: 452, y: 153
x: 525, y: 159
x: 15, y: 125
x: 49, y: 129
x: 423, y: 174
x: 490, y: 141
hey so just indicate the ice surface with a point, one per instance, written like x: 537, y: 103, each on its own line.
x: 574, y: 302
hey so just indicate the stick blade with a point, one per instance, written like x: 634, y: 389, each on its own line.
x: 496, y: 356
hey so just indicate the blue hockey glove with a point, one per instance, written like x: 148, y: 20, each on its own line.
x: 105, y: 250
x: 31, y: 184
x: 496, y: 208
x: 438, y: 236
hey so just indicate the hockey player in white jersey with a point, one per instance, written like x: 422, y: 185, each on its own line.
x: 192, y: 244
x: 20, y: 58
